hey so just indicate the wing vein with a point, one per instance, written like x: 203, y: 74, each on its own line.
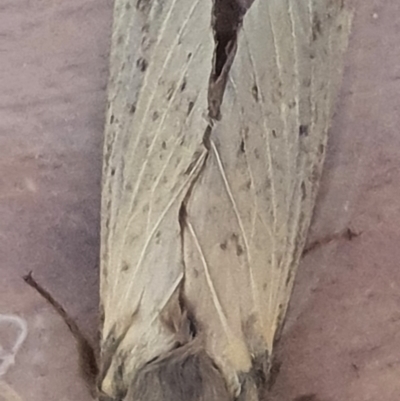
x: 214, y: 295
x: 249, y: 169
x: 270, y: 170
x: 157, y: 224
x: 255, y: 294
x: 280, y: 74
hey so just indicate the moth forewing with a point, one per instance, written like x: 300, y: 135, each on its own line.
x: 153, y: 149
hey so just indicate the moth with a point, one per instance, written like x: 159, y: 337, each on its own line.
x: 217, y: 123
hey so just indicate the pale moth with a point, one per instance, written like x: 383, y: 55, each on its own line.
x: 216, y: 132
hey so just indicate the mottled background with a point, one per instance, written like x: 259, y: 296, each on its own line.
x: 342, y: 338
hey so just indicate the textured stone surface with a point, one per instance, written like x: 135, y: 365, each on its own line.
x: 342, y: 332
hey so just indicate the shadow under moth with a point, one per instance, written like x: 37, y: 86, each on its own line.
x: 216, y: 131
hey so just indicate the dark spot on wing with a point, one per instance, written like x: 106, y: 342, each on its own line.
x: 303, y: 130
x: 142, y: 64
x: 254, y: 92
x: 316, y: 27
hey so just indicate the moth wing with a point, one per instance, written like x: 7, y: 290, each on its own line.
x: 250, y: 210
x: 160, y: 64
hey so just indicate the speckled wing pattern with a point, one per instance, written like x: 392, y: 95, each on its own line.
x: 204, y: 220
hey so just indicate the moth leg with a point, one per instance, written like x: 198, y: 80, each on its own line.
x: 347, y: 234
